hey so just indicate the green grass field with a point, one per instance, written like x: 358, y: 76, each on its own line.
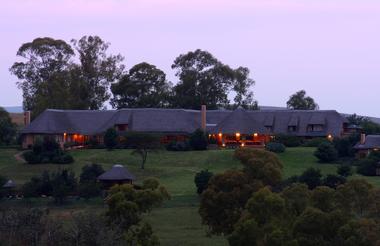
x: 177, y: 222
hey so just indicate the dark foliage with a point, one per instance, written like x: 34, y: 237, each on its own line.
x: 345, y: 146
x: 344, y: 170
x: 314, y: 142
x: 333, y: 181
x: 326, y: 153
x: 201, y: 180
x: 7, y: 128
x: 311, y: 177
x: 198, y: 140
x: 178, y: 146
x: 88, y: 184
x: 288, y: 140
x: 47, y: 151
x: 275, y: 147
x: 110, y: 138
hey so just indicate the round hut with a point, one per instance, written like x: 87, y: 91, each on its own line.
x: 9, y: 188
x: 118, y: 174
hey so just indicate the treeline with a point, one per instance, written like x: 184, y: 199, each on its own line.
x: 83, y: 74
x: 254, y: 205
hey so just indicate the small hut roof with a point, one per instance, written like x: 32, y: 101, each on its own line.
x: 117, y: 172
x: 9, y: 184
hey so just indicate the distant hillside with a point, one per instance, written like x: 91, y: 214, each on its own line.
x: 14, y: 109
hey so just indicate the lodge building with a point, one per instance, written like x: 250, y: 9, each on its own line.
x: 224, y: 127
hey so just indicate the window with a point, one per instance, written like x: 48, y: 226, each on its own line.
x: 292, y: 128
x: 122, y: 127
x: 315, y: 128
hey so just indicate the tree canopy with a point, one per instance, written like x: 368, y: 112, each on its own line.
x: 300, y: 101
x: 144, y: 86
x: 7, y: 128
x: 203, y: 79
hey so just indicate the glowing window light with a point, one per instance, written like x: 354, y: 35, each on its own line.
x: 255, y: 134
x: 237, y: 134
x: 220, y: 134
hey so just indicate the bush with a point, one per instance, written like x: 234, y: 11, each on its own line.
x: 275, y: 147
x: 315, y: 142
x: 311, y: 177
x: 345, y: 146
x: 63, y: 159
x: 110, y: 138
x: 90, y: 173
x: 326, y: 153
x: 333, y: 181
x: 178, y: 146
x: 201, y: 180
x: 344, y: 170
x: 288, y: 140
x: 31, y: 158
x: 89, y: 189
x: 198, y: 140
x: 367, y: 167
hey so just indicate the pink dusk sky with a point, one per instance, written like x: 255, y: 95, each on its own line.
x: 330, y: 48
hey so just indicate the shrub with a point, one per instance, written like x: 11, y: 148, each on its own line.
x: 315, y: 142
x: 333, y: 181
x: 311, y: 177
x: 110, y: 138
x: 288, y: 140
x: 63, y: 183
x: 344, y: 170
x: 367, y: 167
x: 90, y: 173
x: 326, y: 153
x: 275, y: 147
x: 198, y: 140
x: 178, y: 146
x: 63, y: 159
x: 89, y: 189
x: 31, y: 158
x: 345, y: 146
x: 201, y: 180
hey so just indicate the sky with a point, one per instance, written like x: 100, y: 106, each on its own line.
x: 330, y: 48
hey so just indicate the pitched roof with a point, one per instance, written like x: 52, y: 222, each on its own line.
x: 116, y: 173
x: 371, y: 142
x: 9, y: 184
x: 94, y: 122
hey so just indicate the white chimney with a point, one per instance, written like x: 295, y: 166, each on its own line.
x: 203, y: 117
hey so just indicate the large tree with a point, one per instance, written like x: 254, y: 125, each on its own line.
x: 96, y: 71
x: 144, y: 86
x: 203, y: 79
x: 300, y: 101
x: 7, y: 128
x: 42, y: 74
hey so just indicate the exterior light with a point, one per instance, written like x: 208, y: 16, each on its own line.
x: 242, y: 144
x: 220, y: 134
x: 329, y: 137
x: 255, y: 134
x: 209, y: 135
x: 237, y: 134
x: 224, y: 145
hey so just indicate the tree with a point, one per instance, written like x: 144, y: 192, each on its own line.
x: 63, y: 183
x: 326, y: 153
x: 97, y: 70
x: 110, y: 138
x: 201, y: 180
x: 127, y: 204
x: 7, y: 128
x: 43, y: 76
x: 300, y: 101
x: 344, y: 170
x: 205, y: 80
x: 297, y: 198
x: 198, y: 140
x: 143, y: 143
x: 88, y: 185
x: 144, y: 86
x: 224, y: 200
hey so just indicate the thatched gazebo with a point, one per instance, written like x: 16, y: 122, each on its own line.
x: 118, y: 174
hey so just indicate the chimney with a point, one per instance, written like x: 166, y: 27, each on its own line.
x: 362, y: 138
x: 26, y: 118
x: 203, y: 118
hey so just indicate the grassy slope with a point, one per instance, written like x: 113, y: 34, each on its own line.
x: 177, y: 222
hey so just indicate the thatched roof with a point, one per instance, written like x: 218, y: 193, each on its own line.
x: 116, y: 173
x: 371, y: 142
x: 93, y: 122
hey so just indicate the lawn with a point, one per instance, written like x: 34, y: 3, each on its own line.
x: 177, y: 222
